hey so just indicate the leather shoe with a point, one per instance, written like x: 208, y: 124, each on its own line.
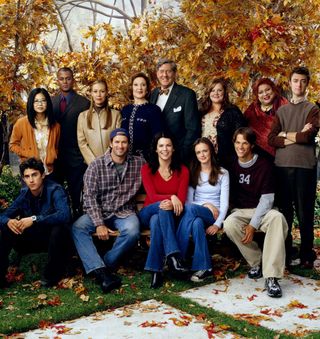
x: 107, y: 281
x: 156, y: 280
x: 176, y: 266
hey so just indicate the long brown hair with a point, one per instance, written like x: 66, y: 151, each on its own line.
x: 206, y: 104
x: 195, y: 166
x: 90, y: 112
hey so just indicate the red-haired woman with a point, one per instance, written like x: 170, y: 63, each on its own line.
x: 260, y: 113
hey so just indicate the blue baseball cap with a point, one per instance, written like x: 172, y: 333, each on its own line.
x: 119, y: 131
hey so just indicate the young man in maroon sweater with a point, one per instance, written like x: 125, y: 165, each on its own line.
x: 252, y: 196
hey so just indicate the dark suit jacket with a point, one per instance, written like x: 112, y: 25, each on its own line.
x: 181, y: 118
x: 69, y: 151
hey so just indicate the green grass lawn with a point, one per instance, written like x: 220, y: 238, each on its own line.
x: 25, y: 305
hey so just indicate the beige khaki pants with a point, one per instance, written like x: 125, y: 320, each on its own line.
x: 274, y: 226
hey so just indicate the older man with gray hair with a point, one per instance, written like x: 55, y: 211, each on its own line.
x: 179, y: 108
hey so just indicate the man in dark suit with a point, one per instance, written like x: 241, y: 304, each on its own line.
x: 67, y: 106
x: 179, y: 108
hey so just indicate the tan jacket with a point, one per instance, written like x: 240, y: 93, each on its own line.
x: 23, y: 142
x: 94, y: 142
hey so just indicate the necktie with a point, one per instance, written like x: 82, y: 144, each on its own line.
x: 63, y: 104
x: 164, y: 91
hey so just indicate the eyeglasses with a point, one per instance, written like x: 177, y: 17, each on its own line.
x: 37, y: 102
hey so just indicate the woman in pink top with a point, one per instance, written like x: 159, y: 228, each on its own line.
x: 165, y: 181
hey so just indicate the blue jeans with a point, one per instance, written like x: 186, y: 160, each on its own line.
x: 82, y: 230
x: 163, y: 238
x: 195, y: 220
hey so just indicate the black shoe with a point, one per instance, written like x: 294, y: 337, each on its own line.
x: 176, y: 266
x: 107, y: 281
x: 255, y: 272
x: 201, y: 275
x: 273, y: 288
x: 156, y: 280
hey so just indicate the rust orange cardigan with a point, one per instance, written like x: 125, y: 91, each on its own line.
x: 23, y: 142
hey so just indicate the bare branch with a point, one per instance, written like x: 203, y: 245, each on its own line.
x: 65, y: 27
x: 133, y: 8
x: 100, y: 3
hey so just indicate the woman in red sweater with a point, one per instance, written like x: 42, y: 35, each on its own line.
x: 261, y: 112
x: 165, y: 181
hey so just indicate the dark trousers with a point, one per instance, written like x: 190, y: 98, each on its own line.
x: 37, y: 238
x: 297, y: 191
x: 73, y: 175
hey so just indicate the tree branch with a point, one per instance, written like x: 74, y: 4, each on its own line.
x: 98, y: 2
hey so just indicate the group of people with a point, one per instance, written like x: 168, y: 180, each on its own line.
x: 194, y: 164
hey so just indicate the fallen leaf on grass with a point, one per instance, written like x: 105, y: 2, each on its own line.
x: 252, y: 319
x: 180, y: 322
x: 311, y: 316
x: 269, y: 311
x: 153, y: 324
x: 201, y: 316
x: 251, y: 298
x: 126, y: 313
x: 213, y: 329
x: 14, y: 275
x: 84, y: 297
x: 296, y: 304
x: 61, y: 329
x: 56, y: 301
x: 43, y: 324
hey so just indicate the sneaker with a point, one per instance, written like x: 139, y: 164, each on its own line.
x: 255, y: 272
x: 273, y: 288
x: 201, y: 275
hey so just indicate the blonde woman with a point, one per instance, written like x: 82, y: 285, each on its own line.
x: 95, y: 124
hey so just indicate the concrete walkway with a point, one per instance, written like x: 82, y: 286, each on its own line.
x: 296, y: 313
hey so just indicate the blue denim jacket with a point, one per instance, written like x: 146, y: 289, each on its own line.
x: 53, y: 206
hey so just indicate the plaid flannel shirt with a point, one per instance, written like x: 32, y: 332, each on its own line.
x: 105, y: 194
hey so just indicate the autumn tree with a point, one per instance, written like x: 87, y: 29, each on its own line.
x: 240, y: 40
x: 22, y: 64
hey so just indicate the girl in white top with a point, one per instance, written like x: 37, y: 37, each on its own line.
x: 206, y: 208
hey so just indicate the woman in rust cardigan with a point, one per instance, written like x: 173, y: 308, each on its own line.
x: 37, y: 134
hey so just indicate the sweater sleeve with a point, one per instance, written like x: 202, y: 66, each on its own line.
x: 224, y: 198
x: 264, y: 206
x: 16, y: 138
x: 273, y: 139
x: 308, y: 136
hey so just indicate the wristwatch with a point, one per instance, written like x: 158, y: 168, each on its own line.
x: 34, y: 218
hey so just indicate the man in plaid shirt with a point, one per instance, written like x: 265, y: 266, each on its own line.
x: 110, y: 185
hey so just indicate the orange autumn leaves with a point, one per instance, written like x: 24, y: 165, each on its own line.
x: 205, y: 39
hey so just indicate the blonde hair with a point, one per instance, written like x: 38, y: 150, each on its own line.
x: 90, y: 112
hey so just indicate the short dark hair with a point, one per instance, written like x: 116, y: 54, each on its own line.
x: 65, y: 69
x: 32, y: 163
x: 300, y: 70
x: 164, y: 61
x: 31, y: 113
x: 247, y: 133
x: 146, y: 78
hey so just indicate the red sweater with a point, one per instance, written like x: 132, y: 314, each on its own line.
x: 261, y: 122
x: 158, y: 189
